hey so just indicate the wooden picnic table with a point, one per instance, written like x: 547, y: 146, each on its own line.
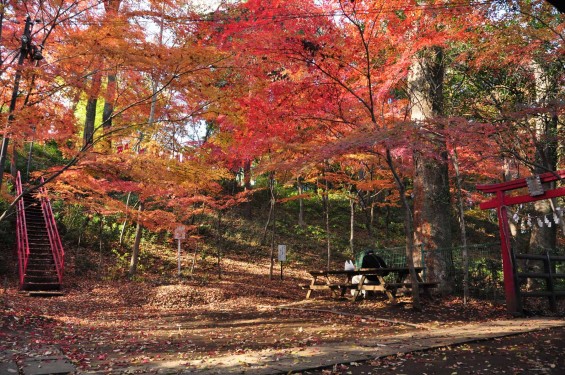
x: 325, y: 280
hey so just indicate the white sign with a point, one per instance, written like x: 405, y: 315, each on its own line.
x: 180, y: 232
x: 282, y: 253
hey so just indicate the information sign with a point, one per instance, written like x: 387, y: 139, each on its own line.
x: 282, y: 253
x: 180, y: 232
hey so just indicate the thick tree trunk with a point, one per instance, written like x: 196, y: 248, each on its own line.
x: 543, y: 237
x: 432, y: 208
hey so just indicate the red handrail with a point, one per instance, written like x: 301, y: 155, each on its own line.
x: 21, y: 232
x: 54, y: 238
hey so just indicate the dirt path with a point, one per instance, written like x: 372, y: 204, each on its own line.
x: 116, y: 328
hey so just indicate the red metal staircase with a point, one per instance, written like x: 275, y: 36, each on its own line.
x: 40, y: 252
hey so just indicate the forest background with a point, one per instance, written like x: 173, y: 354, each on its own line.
x: 329, y: 126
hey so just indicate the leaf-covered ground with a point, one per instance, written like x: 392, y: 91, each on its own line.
x: 110, y: 325
x: 539, y: 352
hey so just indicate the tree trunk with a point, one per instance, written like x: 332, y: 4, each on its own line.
x: 193, y: 265
x: 543, y: 237
x: 125, y: 221
x: 220, y: 244
x: 14, y: 160
x: 408, y: 231
x: 79, y: 269
x: 272, y: 211
x: 462, y: 227
x: 90, y: 120
x: 108, y: 111
x: 135, y: 250
x: 29, y: 158
x: 352, y: 205
x: 326, y: 205
x: 2, y: 10
x: 247, y: 186
x: 432, y: 208
x: 100, y: 244
x: 300, y: 188
x: 366, y: 203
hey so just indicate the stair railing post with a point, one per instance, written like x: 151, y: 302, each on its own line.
x: 21, y: 232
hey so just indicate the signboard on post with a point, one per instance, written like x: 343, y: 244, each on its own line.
x: 282, y: 253
x: 179, y: 234
x: 282, y: 257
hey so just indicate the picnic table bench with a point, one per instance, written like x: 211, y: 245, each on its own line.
x: 326, y: 280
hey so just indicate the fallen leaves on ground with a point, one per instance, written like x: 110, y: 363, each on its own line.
x: 103, y: 325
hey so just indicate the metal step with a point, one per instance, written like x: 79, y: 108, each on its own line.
x: 40, y: 265
x: 48, y: 272
x: 41, y: 279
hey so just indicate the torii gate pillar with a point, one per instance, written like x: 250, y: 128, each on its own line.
x: 500, y: 202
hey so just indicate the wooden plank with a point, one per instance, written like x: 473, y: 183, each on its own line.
x: 540, y: 275
x: 543, y: 293
x: 559, y: 258
x: 409, y: 285
x: 319, y: 287
x: 533, y: 275
x: 373, y: 287
x: 363, y: 271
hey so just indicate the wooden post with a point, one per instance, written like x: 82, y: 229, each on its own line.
x: 513, y: 303
x: 178, y: 257
x: 550, y: 286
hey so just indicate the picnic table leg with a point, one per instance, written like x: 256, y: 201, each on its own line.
x: 333, y: 289
x: 390, y: 294
x: 309, y: 292
x: 359, y: 287
x: 347, y: 282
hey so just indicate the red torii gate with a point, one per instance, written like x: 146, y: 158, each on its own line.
x: 500, y: 202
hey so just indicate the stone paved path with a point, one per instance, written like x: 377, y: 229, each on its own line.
x: 303, y: 358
